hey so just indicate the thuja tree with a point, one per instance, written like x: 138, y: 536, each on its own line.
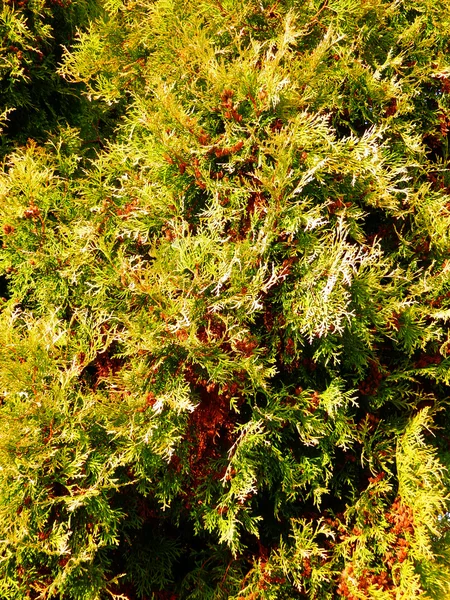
x: 224, y: 351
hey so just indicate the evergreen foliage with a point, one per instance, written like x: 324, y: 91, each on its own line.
x: 224, y: 341
x: 34, y: 99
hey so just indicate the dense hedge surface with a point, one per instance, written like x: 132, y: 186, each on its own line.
x: 224, y: 341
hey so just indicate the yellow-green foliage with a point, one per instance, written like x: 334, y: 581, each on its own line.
x: 224, y: 341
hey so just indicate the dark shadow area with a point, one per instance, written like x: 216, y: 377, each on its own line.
x: 4, y: 291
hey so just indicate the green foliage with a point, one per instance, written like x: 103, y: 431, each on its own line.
x: 224, y: 341
x: 34, y: 99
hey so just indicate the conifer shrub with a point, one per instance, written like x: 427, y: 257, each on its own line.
x: 224, y: 339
